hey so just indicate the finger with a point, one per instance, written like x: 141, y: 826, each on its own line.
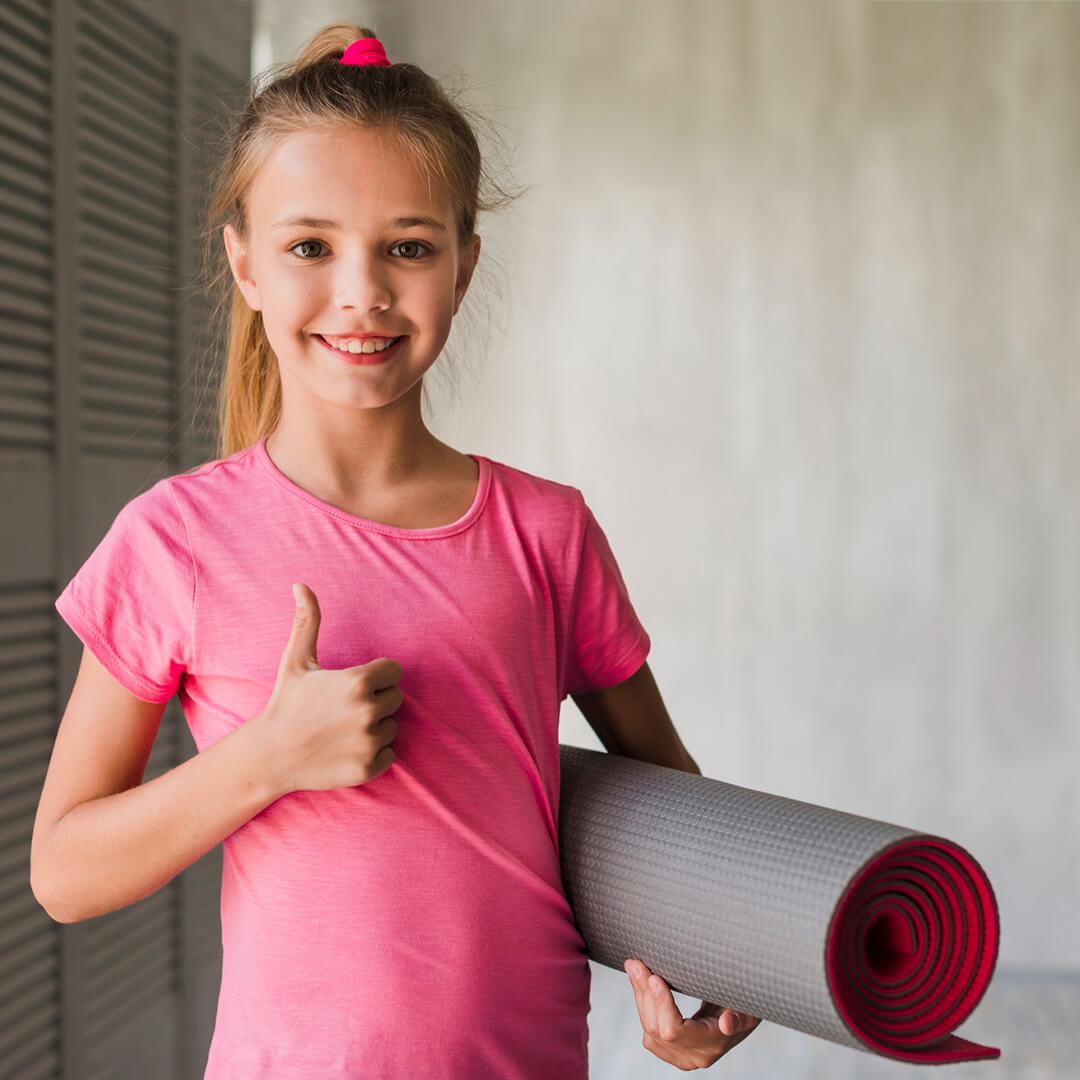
x: 667, y: 1012
x: 640, y: 973
x: 730, y: 1022
x: 301, y: 650
x: 385, y: 672
x: 748, y: 1025
x: 630, y: 967
x: 745, y: 1021
x: 648, y: 1006
x: 649, y: 999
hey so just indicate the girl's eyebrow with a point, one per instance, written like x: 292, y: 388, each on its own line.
x: 396, y: 223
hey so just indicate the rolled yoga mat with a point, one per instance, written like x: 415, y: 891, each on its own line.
x: 860, y: 932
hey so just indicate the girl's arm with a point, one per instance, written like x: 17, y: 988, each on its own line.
x: 631, y: 719
x: 102, y: 838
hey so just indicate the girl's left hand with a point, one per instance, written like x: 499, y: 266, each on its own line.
x: 688, y: 1044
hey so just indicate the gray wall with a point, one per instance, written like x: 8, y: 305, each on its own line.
x: 789, y: 301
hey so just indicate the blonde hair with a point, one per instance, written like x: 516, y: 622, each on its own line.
x: 316, y: 91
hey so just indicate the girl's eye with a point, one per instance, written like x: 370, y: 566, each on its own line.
x: 423, y: 248
x: 426, y: 249
x: 301, y: 243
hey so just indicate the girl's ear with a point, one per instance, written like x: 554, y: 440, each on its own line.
x: 240, y: 266
x: 466, y: 267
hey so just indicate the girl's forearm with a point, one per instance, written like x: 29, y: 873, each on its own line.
x: 115, y: 850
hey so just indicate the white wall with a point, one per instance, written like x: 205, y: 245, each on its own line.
x: 790, y: 302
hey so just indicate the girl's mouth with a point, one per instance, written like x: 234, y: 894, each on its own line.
x: 361, y: 357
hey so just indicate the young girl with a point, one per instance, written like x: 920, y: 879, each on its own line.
x: 379, y: 757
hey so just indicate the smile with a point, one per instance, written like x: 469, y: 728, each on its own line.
x: 350, y: 357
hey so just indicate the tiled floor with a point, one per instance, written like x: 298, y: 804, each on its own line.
x: 1034, y: 1019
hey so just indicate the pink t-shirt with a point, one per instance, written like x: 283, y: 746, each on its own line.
x: 415, y: 925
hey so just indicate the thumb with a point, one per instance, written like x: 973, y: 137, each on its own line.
x: 301, y: 649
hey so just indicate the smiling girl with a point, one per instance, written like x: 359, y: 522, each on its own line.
x: 370, y: 634
x: 357, y: 305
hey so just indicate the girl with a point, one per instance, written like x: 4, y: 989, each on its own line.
x: 386, y: 785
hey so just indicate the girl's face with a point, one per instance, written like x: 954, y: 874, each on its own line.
x: 367, y: 268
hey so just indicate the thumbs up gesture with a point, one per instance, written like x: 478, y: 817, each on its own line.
x: 325, y: 727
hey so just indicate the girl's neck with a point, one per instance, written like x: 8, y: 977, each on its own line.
x: 355, y: 470
x: 431, y: 495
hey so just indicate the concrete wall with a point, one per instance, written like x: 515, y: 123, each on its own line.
x: 790, y: 300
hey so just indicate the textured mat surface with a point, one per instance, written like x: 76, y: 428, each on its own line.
x: 867, y: 934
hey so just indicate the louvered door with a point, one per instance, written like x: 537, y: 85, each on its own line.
x: 109, y: 110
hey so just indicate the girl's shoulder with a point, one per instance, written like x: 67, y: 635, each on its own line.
x: 241, y: 458
x: 537, y: 492
x: 218, y: 478
x: 522, y: 479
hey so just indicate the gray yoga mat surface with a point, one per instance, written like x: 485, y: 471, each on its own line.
x: 867, y: 934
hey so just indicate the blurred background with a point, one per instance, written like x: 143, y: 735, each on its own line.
x: 791, y: 297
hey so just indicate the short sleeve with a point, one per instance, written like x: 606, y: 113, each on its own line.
x: 131, y: 601
x: 605, y: 641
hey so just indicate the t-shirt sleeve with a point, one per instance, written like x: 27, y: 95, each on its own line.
x: 131, y: 601
x: 605, y: 641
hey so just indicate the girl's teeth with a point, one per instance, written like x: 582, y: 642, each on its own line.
x: 355, y: 346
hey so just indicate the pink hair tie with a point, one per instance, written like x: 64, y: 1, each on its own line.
x: 365, y: 50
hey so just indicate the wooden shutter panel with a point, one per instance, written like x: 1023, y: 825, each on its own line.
x: 126, y: 234
x: 215, y: 90
x: 30, y: 1012
x: 107, y: 133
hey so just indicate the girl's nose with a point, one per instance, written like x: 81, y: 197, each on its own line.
x: 362, y: 282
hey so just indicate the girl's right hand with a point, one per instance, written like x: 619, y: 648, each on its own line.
x: 324, y: 727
